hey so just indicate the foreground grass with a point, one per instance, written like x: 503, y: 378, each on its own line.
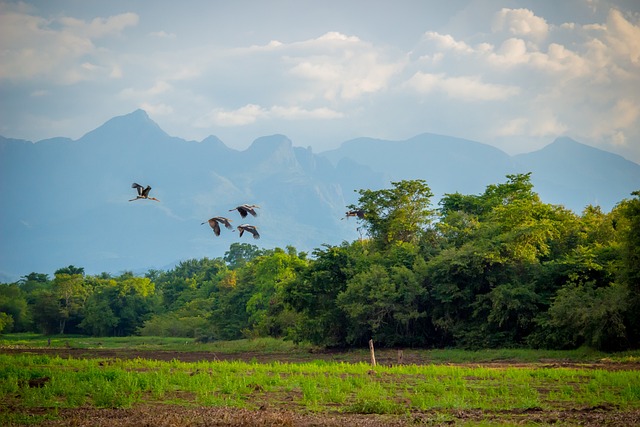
x: 30, y: 381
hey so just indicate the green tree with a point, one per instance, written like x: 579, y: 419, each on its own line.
x: 13, y: 302
x: 241, y: 253
x: 6, y: 322
x: 627, y: 222
x: 399, y: 214
x: 485, y: 284
x: 71, y: 294
x: 99, y: 318
x: 314, y: 294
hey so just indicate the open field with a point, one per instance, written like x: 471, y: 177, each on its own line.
x: 75, y: 381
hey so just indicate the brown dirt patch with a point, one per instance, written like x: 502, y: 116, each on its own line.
x: 178, y: 416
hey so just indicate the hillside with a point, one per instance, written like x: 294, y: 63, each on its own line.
x: 66, y: 201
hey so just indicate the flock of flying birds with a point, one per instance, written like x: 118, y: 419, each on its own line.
x: 214, y: 223
x: 243, y: 210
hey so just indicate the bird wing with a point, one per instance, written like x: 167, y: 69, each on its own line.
x: 225, y: 221
x: 241, y: 229
x: 137, y: 187
x: 255, y: 233
x: 243, y: 211
x: 216, y: 228
x: 251, y: 210
x: 145, y: 192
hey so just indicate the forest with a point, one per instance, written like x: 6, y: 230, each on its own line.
x: 493, y: 270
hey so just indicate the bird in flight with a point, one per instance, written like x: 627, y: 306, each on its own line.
x: 249, y: 228
x: 215, y: 224
x: 356, y: 212
x: 246, y: 209
x: 143, y: 193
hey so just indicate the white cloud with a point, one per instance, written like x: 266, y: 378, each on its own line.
x: 618, y: 139
x: 98, y: 27
x: 623, y: 36
x: 340, y: 67
x: 242, y: 116
x: 447, y: 42
x: 55, y: 49
x: 293, y: 113
x: 542, y: 125
x: 466, y: 88
x: 521, y: 23
x: 250, y: 113
x: 157, y: 109
x: 162, y: 35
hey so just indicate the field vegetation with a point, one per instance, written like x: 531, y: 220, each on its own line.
x: 496, y: 387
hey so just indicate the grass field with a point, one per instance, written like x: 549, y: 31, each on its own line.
x: 503, y: 387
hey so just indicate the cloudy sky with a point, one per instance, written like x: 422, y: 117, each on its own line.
x: 514, y: 74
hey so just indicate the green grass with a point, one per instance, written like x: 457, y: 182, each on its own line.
x: 317, y: 387
x: 262, y: 345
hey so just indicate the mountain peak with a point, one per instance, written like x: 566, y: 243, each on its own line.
x: 271, y: 142
x: 566, y: 146
x: 137, y: 123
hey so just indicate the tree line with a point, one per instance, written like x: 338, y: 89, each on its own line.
x: 497, y: 269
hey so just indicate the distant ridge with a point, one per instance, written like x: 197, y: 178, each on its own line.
x: 77, y: 211
x: 567, y: 170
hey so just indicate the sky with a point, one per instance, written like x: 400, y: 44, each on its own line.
x: 513, y: 74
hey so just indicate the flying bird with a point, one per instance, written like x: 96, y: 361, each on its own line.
x: 215, y: 224
x: 249, y: 228
x: 356, y: 212
x: 143, y: 193
x: 246, y: 209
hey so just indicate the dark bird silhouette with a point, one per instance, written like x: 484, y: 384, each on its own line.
x: 356, y: 212
x: 246, y: 209
x: 249, y: 228
x: 143, y: 193
x: 215, y: 224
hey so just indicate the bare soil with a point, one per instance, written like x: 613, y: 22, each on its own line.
x: 179, y: 416
x: 281, y: 414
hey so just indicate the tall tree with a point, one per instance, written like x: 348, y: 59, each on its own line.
x: 398, y: 214
x: 71, y: 294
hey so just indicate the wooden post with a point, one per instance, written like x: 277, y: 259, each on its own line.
x: 373, y: 355
x: 400, y: 356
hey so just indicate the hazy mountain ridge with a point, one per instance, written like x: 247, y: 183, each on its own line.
x: 66, y: 201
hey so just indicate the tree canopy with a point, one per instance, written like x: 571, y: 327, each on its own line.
x: 500, y: 268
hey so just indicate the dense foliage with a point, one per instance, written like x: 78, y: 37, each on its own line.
x: 497, y: 269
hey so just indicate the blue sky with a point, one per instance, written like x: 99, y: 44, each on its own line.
x: 513, y: 74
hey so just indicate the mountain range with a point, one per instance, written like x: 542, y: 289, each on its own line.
x: 65, y: 202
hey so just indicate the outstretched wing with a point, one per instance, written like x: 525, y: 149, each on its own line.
x: 255, y: 233
x: 137, y: 187
x: 225, y: 221
x: 145, y: 192
x: 243, y: 211
x: 216, y: 227
x: 251, y: 210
